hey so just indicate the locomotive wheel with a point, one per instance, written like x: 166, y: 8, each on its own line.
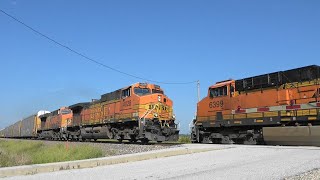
x: 206, y: 140
x: 250, y: 141
x: 132, y: 140
x: 226, y: 140
x: 81, y: 139
x: 144, y: 141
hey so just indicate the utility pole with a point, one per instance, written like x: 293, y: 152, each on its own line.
x: 194, y: 130
x: 198, y: 87
x: 198, y: 94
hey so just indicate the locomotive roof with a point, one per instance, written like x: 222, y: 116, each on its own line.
x: 222, y: 83
x: 83, y: 104
x: 306, y: 73
x: 294, y: 70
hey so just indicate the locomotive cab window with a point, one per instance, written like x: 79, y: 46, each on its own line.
x: 157, y: 91
x: 126, y: 93
x: 56, y: 112
x: 141, y: 91
x: 217, y: 92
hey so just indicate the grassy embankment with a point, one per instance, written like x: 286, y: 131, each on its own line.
x: 15, y: 153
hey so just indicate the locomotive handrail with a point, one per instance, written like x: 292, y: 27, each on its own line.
x: 143, y: 117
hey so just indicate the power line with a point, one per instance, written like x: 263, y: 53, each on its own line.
x: 86, y: 57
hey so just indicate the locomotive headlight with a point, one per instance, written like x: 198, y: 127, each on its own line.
x: 159, y: 98
x: 155, y: 115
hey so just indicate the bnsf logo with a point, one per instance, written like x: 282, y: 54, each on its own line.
x: 216, y: 104
x: 127, y: 103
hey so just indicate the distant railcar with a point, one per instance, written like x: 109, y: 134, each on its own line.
x: 29, y: 126
x: 16, y: 129
x: 25, y: 128
x: 276, y: 108
x: 7, y: 132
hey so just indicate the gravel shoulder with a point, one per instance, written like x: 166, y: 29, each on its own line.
x: 310, y: 175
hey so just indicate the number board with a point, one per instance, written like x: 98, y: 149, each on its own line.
x: 216, y: 104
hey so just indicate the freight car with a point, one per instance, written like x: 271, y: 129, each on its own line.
x: 140, y: 112
x: 276, y: 108
x: 25, y: 128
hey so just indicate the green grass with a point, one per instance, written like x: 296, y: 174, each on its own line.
x: 185, y: 139
x: 15, y: 153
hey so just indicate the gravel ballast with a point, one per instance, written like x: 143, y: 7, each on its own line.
x: 119, y: 149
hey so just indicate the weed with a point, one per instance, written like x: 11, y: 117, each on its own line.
x: 184, y: 139
x: 14, y: 153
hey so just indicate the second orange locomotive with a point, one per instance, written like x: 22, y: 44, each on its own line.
x: 139, y: 112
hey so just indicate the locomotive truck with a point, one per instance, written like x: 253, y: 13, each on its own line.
x: 276, y: 108
x: 140, y: 112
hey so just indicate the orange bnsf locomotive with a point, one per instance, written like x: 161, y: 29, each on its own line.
x: 276, y: 108
x: 140, y: 112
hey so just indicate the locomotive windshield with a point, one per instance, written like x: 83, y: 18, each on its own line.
x: 216, y: 92
x: 65, y: 111
x: 141, y: 91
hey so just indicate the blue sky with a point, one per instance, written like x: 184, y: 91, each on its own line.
x: 172, y: 41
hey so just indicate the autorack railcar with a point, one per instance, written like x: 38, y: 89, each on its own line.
x: 25, y: 128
